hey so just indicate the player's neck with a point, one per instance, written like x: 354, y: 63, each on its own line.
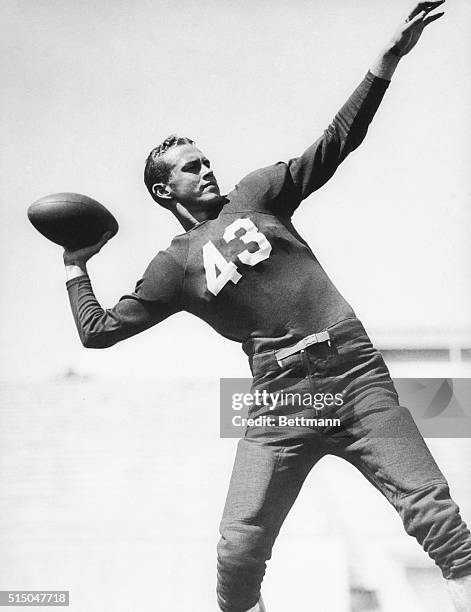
x: 189, y: 219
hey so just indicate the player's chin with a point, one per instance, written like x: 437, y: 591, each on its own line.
x: 210, y: 198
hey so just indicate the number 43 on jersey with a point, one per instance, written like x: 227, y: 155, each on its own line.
x: 219, y: 271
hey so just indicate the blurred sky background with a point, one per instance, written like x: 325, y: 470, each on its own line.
x: 89, y: 87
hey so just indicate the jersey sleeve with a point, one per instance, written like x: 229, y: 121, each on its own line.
x: 157, y: 295
x: 318, y: 163
x: 281, y: 187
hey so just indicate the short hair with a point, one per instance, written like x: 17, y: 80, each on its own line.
x: 157, y: 170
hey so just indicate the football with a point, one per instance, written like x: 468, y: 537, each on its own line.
x: 71, y: 219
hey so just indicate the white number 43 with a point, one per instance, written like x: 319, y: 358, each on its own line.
x: 219, y: 271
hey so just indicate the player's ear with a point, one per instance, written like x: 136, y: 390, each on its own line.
x: 162, y: 191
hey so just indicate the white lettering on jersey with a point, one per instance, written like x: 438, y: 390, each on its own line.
x: 214, y: 261
x: 251, y: 235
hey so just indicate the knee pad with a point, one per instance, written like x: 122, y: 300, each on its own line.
x: 244, y: 548
x: 242, y: 555
x: 432, y: 517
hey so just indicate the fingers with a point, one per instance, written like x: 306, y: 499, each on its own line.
x: 100, y: 244
x: 104, y: 239
x: 82, y: 255
x: 425, y: 7
x: 416, y: 19
x: 433, y: 18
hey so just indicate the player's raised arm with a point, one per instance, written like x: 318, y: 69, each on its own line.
x: 349, y: 127
x: 154, y: 299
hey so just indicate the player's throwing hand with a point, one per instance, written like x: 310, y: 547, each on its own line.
x: 411, y: 30
x: 81, y: 256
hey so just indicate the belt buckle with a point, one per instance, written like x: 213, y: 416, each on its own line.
x: 310, y: 340
x: 318, y: 338
x: 326, y: 337
x: 315, y: 338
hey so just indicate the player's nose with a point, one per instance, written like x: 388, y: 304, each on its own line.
x: 208, y: 174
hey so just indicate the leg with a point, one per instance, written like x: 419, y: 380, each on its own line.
x: 265, y: 482
x: 389, y: 450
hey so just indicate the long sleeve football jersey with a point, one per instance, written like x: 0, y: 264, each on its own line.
x: 247, y: 273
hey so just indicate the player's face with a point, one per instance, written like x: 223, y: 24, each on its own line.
x: 192, y: 182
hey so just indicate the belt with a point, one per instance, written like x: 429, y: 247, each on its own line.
x: 322, y: 336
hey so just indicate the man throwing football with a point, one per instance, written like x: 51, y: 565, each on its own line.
x: 242, y: 267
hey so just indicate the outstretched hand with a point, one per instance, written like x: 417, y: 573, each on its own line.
x: 411, y: 30
x: 80, y: 257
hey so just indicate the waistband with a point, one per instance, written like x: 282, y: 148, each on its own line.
x: 315, y: 338
x: 337, y: 334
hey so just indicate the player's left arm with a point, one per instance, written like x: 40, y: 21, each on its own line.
x: 349, y: 127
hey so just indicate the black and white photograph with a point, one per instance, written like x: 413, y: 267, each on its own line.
x: 235, y: 369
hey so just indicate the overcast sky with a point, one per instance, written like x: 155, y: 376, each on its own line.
x: 90, y: 86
